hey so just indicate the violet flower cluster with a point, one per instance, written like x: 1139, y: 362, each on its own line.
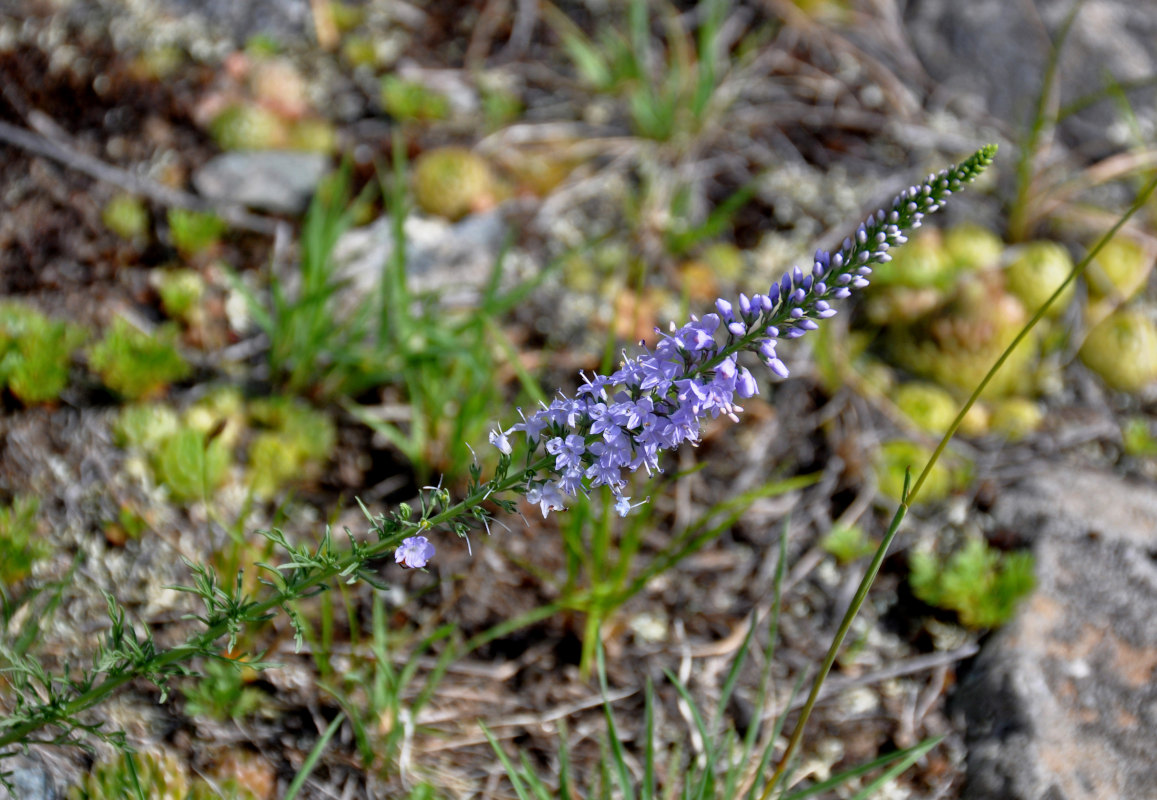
x: 658, y: 400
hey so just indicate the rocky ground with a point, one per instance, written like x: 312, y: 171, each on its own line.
x: 843, y: 104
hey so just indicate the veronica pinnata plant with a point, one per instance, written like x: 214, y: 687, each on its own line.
x: 618, y: 423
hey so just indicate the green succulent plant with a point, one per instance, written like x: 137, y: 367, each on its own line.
x: 191, y: 464
x: 921, y: 263
x: 1120, y: 269
x: 296, y: 443
x: 247, y: 126
x: 35, y: 353
x: 135, y: 364
x: 848, y: 543
x: 194, y: 232
x: 221, y: 693
x: 972, y: 247
x: 159, y: 776
x: 145, y: 426
x: 894, y: 458
x: 181, y: 291
x: 1016, y: 417
x: 930, y: 407
x: 979, y: 583
x: 1036, y: 272
x: 956, y: 346
x: 410, y: 101
x: 452, y: 181
x: 20, y: 544
x: 126, y: 216
x: 1122, y: 350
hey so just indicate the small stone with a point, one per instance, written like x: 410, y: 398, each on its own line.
x: 274, y: 180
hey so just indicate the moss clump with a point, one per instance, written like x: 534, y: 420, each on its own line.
x: 1037, y: 272
x: 20, y: 546
x: 126, y: 216
x: 452, y: 182
x: 137, y: 365
x: 1122, y: 350
x: 972, y: 247
x: 181, y: 291
x: 848, y: 543
x: 979, y: 583
x: 247, y: 126
x: 194, y: 232
x: 896, y: 457
x: 957, y: 345
x: 191, y: 464
x: 160, y: 777
x: 1016, y: 417
x: 35, y: 353
x: 1120, y: 269
x: 296, y: 443
x: 408, y: 101
x: 930, y: 407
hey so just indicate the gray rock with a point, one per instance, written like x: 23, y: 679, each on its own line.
x: 281, y: 181
x: 453, y: 259
x: 1062, y: 702
x: 30, y: 779
x: 285, y: 20
x: 995, y: 52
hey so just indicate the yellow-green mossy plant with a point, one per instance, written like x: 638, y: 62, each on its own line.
x: 1120, y: 269
x: 1122, y: 350
x: 409, y: 101
x: 296, y: 442
x: 35, y: 353
x: 980, y: 584
x: 126, y: 216
x: 160, y: 775
x: 1016, y: 417
x: 972, y: 247
x: 248, y: 126
x: 913, y: 283
x: 930, y: 407
x: 894, y: 458
x: 1037, y: 270
x: 135, y: 364
x: 956, y: 345
x: 452, y: 182
x: 20, y: 543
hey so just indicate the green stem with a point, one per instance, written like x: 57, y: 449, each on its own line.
x: 199, y: 644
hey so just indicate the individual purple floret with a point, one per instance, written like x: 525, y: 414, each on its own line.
x: 414, y: 552
x: 657, y: 400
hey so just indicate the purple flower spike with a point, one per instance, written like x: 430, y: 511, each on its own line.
x: 414, y: 552
x: 658, y: 400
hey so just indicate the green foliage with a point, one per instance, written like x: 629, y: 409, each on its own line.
x: 848, y: 543
x: 1138, y: 439
x: 191, y: 465
x: 247, y: 126
x: 1122, y: 350
x: 897, y: 457
x: 35, y: 353
x: 452, y: 181
x: 1037, y: 271
x: 930, y: 407
x: 126, y: 216
x: 297, y: 441
x: 181, y: 291
x: 221, y: 693
x: 408, y: 101
x: 137, y: 365
x: 150, y: 775
x: 194, y: 232
x: 145, y: 426
x: 666, y: 97
x: 379, y: 697
x: 20, y: 543
x: 980, y: 584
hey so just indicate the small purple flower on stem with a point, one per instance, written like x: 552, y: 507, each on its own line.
x: 414, y: 552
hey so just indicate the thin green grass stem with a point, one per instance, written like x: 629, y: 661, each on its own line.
x: 254, y: 612
x: 912, y: 489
